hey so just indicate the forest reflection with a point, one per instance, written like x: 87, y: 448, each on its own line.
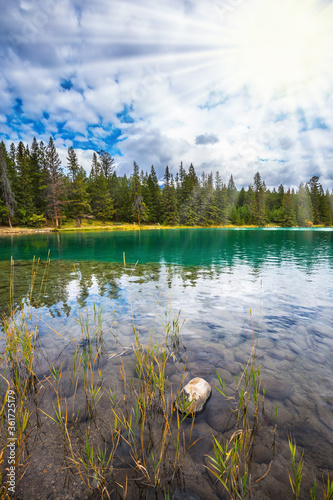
x: 62, y: 283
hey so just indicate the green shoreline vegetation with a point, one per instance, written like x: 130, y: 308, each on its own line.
x: 130, y: 441
x: 37, y: 191
x: 99, y: 227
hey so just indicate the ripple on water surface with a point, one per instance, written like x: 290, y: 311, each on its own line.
x: 286, y: 284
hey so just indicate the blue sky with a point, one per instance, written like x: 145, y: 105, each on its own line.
x: 230, y: 85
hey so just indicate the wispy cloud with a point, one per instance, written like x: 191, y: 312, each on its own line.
x: 154, y: 83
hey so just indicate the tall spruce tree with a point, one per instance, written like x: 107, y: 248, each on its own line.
x: 314, y: 187
x: 79, y: 202
x: 102, y: 203
x: 55, y: 182
x: 170, y: 210
x: 107, y: 163
x: 258, y: 207
x: 7, y: 196
x: 138, y: 204
x: 154, y: 197
x: 24, y: 186
x: 304, y: 213
x: 289, y: 211
x: 324, y: 208
x: 232, y: 192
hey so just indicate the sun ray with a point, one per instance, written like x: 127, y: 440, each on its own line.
x: 278, y: 47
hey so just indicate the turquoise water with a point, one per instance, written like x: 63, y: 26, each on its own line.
x: 218, y: 280
x: 187, y: 247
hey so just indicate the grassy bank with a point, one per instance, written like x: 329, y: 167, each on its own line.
x: 98, y: 226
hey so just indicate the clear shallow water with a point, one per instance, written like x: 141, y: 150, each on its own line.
x: 214, y: 277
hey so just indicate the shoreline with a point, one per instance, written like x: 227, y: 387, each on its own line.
x: 6, y: 231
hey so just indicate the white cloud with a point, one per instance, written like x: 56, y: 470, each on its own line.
x: 170, y: 65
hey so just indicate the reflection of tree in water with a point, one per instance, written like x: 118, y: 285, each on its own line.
x: 46, y: 287
x: 60, y: 283
x: 198, y: 254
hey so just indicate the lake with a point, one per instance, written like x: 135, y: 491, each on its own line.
x: 228, y: 286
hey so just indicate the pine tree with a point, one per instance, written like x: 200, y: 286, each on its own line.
x: 241, y: 198
x: 123, y: 202
x: 314, y: 187
x: 78, y: 196
x: 224, y: 204
x: 7, y: 197
x: 170, y: 209
x: 232, y: 192
x: 39, y: 176
x: 324, y: 208
x: 258, y: 207
x: 181, y: 185
x: 210, y: 214
x: 107, y: 163
x: 153, y: 200
x: 24, y: 185
x: 289, y: 212
x: 72, y: 164
x: 138, y: 204
x: 250, y: 202
x: 304, y: 214
x: 102, y: 203
x: 55, y: 182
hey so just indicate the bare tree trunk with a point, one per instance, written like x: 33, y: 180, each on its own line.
x: 10, y: 222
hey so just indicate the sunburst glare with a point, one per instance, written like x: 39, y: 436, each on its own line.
x: 281, y: 47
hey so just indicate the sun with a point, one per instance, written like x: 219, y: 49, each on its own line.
x: 278, y: 45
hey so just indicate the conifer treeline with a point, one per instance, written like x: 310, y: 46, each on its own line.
x: 34, y: 190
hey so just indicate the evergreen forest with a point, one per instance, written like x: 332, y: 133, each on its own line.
x: 36, y: 190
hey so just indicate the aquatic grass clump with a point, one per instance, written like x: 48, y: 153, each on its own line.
x: 295, y: 476
x: 17, y: 362
x: 143, y: 418
x: 232, y: 462
x: 151, y: 423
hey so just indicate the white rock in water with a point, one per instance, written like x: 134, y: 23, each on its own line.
x: 193, y: 397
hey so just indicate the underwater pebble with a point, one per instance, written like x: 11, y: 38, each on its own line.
x: 302, y: 331
x: 228, y: 355
x: 321, y: 330
x: 301, y: 342
x: 295, y: 348
x: 286, y: 366
x: 233, y: 368
x: 262, y: 454
x: 282, y: 354
x: 128, y: 332
x: 177, y: 378
x: 241, y: 356
x: 325, y: 414
x: 219, y: 414
x: 310, y: 342
x: 328, y: 342
x: 225, y: 375
x: 201, y: 369
x: 169, y: 369
x: 276, y: 389
x: 316, y: 357
x: 299, y: 400
x: 265, y: 343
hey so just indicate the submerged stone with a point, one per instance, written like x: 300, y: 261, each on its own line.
x: 193, y: 396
